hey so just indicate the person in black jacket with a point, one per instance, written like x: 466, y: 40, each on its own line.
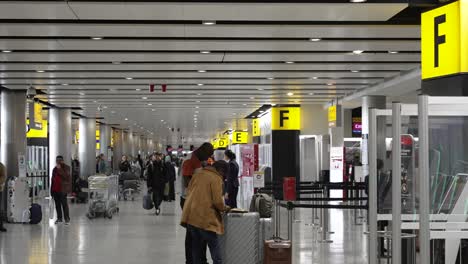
x: 124, y: 165
x: 156, y: 180
x: 171, y: 178
x: 232, y: 180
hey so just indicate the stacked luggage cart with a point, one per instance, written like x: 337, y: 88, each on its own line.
x: 103, y: 196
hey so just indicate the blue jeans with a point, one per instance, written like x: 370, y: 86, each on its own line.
x: 211, y: 238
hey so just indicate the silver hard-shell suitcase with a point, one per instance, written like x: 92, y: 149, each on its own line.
x: 266, y: 233
x: 240, y: 240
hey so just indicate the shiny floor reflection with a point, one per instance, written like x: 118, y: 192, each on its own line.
x: 137, y: 236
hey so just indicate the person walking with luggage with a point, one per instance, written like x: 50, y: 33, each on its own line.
x: 124, y: 165
x: 203, y: 209
x: 156, y: 181
x: 2, y: 187
x: 171, y: 178
x: 61, y: 186
x: 190, y: 166
x: 232, y: 179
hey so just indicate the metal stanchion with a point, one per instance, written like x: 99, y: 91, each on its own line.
x: 325, y: 220
x: 277, y: 219
x: 290, y: 220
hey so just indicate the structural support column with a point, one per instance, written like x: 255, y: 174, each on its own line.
x: 105, y: 133
x: 87, y: 147
x: 368, y: 102
x: 125, y: 143
x: 13, y: 129
x: 118, y: 147
x: 60, y: 136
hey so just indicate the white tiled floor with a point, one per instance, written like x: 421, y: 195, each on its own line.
x: 137, y: 236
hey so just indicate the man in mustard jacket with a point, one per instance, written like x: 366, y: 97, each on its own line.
x: 203, y: 209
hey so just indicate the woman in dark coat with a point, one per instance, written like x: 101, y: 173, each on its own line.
x: 232, y: 180
x: 157, y: 180
x: 171, y: 178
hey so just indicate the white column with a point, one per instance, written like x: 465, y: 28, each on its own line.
x: 105, y: 132
x: 60, y: 136
x: 87, y: 147
x: 125, y: 143
x: 378, y: 102
x: 13, y: 129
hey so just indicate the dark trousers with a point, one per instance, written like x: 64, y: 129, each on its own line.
x: 232, y: 200
x: 158, y: 197
x: 188, y: 244
x: 200, y: 236
x: 61, y: 204
x: 171, y: 191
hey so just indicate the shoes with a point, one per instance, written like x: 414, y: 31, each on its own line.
x: 2, y: 229
x: 58, y: 221
x: 158, y: 211
x: 67, y: 222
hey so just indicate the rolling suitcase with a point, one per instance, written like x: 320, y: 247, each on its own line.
x: 266, y: 233
x: 278, y: 252
x: 240, y: 240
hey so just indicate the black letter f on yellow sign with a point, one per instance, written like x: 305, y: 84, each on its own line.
x: 438, y: 40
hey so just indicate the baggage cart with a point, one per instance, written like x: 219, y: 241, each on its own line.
x: 103, y: 196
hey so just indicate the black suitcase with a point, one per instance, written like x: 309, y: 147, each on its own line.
x: 35, y: 214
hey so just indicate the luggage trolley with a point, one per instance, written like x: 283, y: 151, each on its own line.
x: 103, y: 196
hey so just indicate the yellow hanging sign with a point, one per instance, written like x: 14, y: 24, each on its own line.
x: 444, y: 38
x: 256, y: 127
x: 286, y: 118
x: 240, y: 137
x: 223, y: 142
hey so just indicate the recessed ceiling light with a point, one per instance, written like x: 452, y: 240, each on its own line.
x: 64, y: 84
x: 144, y: 98
x: 95, y: 101
x: 354, y: 71
x: 261, y: 111
x: 330, y: 84
x: 270, y: 78
x: 201, y: 71
x: 126, y: 119
x: 40, y: 71
x: 137, y: 89
x: 113, y: 90
x: 273, y: 104
x: 82, y: 93
x: 153, y: 109
x: 244, y: 104
x: 315, y: 78
x: 205, y: 52
x: 358, y: 52
x: 393, y: 51
x: 315, y: 39
x: 6, y: 51
x: 358, y: 1
x: 252, y: 98
x: 290, y: 94
x: 150, y: 104
x: 260, y: 89
x: 116, y: 62
x: 197, y: 107
x: 311, y: 93
x: 209, y: 22
x: 200, y: 84
x: 289, y: 62
x: 199, y: 94
x: 96, y: 38
x: 129, y: 78
x: 198, y: 102
x: 162, y: 120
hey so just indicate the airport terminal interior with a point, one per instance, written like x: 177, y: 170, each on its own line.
x: 235, y: 132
